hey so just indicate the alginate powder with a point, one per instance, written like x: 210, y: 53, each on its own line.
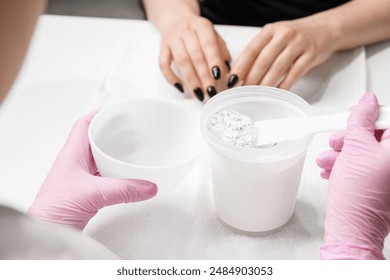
x: 233, y: 127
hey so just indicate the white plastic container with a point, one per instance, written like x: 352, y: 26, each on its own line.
x: 255, y: 189
x: 145, y: 138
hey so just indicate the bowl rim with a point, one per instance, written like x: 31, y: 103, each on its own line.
x: 94, y: 146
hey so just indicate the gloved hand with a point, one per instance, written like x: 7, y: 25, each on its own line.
x: 358, y: 211
x: 73, y: 191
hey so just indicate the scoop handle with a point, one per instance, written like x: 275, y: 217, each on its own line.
x: 336, y: 122
x: 272, y: 131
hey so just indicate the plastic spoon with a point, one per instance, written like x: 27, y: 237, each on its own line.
x: 277, y: 130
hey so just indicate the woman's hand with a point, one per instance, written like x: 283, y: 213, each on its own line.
x: 283, y: 52
x: 199, y: 53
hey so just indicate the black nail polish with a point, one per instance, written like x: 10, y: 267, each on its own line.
x: 179, y: 87
x: 211, y: 91
x: 199, y: 94
x: 216, y: 72
x: 228, y: 65
x: 232, y: 80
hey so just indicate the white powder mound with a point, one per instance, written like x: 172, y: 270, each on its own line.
x: 233, y: 127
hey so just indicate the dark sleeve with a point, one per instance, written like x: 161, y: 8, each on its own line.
x: 261, y: 12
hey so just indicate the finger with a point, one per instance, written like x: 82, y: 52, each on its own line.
x: 208, y: 39
x: 385, y: 139
x: 186, y: 68
x: 225, y: 54
x: 225, y: 70
x: 165, y: 62
x: 325, y: 174
x: 280, y: 66
x: 267, y: 56
x: 327, y: 159
x: 363, y: 116
x: 77, y: 147
x: 245, y: 61
x: 196, y: 52
x: 297, y: 70
x: 336, y: 140
x: 110, y: 191
x: 385, y: 135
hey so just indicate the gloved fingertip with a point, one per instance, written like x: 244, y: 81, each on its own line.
x: 319, y: 160
x: 368, y: 98
x: 145, y: 189
x: 331, y: 142
x: 332, y: 139
x: 88, y: 117
x: 363, y: 116
x: 323, y: 159
x: 336, y: 140
x: 325, y: 174
x: 149, y: 189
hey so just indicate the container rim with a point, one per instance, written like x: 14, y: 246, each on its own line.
x: 246, y: 94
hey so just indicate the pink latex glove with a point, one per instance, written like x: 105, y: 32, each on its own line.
x: 358, y: 168
x: 73, y: 191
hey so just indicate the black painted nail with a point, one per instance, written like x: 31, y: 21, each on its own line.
x: 199, y: 94
x: 179, y: 87
x: 216, y: 72
x: 228, y: 65
x: 232, y: 80
x: 211, y: 91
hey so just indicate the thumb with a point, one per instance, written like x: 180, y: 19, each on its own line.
x: 363, y: 116
x: 78, y: 137
x: 114, y: 191
x: 76, y: 148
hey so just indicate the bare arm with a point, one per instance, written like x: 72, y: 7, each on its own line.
x: 163, y: 13
x: 358, y: 23
x: 17, y: 22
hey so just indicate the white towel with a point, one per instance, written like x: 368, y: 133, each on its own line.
x: 183, y: 225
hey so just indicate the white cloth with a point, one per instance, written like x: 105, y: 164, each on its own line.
x: 183, y: 225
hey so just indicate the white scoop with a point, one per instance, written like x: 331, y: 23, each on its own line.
x: 277, y: 130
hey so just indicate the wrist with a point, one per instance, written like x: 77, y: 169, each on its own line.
x: 54, y: 215
x: 351, y: 233
x: 169, y: 21
x: 349, y: 252
x: 329, y: 28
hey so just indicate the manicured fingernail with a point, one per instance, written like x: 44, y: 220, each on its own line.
x: 179, y: 87
x: 228, y: 65
x: 216, y: 72
x: 232, y: 80
x: 199, y: 94
x: 211, y: 91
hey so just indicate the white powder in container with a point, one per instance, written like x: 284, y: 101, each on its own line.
x: 233, y: 127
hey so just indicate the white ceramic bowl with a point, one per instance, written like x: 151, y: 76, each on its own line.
x: 150, y: 139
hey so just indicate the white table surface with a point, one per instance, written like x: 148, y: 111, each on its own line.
x: 61, y: 80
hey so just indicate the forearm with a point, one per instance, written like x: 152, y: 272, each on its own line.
x: 357, y: 23
x: 164, y: 13
x: 17, y: 22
